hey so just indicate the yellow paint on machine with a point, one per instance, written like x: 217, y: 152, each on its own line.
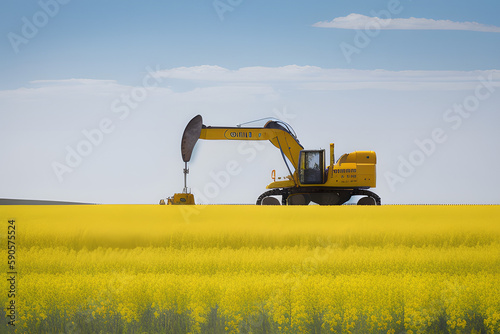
x: 180, y: 199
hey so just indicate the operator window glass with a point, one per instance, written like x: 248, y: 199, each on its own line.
x: 312, y: 167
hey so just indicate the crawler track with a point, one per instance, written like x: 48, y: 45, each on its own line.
x: 343, y: 194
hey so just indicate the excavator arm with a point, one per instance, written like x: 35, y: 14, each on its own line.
x: 278, y: 133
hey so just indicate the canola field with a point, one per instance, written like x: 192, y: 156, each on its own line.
x: 253, y: 269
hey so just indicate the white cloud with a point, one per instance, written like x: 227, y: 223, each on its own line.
x: 74, y: 82
x: 244, y: 74
x: 65, y: 89
x: 215, y: 82
x: 316, y: 78
x: 208, y: 81
x: 358, y: 21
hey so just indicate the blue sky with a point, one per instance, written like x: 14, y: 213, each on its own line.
x: 239, y: 60
x: 103, y: 39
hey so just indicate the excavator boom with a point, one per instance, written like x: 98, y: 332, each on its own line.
x: 275, y: 133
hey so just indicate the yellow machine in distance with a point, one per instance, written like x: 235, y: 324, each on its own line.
x: 180, y: 199
x: 311, y: 180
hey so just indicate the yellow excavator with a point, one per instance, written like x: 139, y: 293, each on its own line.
x: 310, y: 180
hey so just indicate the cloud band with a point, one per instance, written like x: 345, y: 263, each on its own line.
x: 358, y: 21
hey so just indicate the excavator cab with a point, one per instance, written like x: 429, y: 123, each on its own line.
x: 312, y: 166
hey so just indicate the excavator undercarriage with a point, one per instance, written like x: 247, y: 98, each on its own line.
x: 321, y: 196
